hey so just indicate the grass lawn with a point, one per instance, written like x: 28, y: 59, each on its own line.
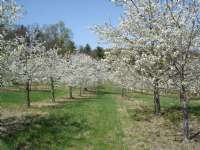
x: 169, y: 103
x: 87, y: 123
x: 105, y: 121
x: 18, y: 97
x: 163, y: 132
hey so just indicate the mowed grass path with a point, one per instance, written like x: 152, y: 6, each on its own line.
x: 105, y: 121
x: 83, y: 124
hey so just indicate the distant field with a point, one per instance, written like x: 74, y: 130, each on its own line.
x: 105, y: 121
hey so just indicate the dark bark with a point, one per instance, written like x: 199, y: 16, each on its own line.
x: 156, y: 98
x: 28, y: 93
x: 70, y: 92
x: 30, y: 85
x: 80, y: 94
x: 96, y: 90
x: 184, y: 103
x: 52, y: 89
x: 123, y: 92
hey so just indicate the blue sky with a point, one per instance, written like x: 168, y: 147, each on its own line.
x: 78, y: 15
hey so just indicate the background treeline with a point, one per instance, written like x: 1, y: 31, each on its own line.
x: 53, y: 36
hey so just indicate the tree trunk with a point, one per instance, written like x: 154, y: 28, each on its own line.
x: 96, y: 91
x: 30, y: 85
x: 52, y: 89
x: 28, y: 93
x: 123, y: 92
x: 184, y: 103
x: 156, y: 98
x: 80, y: 94
x: 70, y: 92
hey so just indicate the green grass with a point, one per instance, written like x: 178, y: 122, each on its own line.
x: 170, y: 106
x: 167, y: 101
x: 19, y: 97
x: 89, y: 123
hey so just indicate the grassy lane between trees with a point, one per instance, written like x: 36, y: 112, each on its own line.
x: 84, y: 123
x: 105, y: 121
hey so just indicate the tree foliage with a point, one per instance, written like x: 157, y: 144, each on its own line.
x: 158, y: 38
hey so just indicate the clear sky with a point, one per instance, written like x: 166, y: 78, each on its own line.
x: 78, y: 15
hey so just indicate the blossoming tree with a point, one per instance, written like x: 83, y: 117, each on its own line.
x: 138, y: 38
x: 51, y: 68
x: 24, y: 64
x: 82, y: 71
x: 10, y: 11
x: 159, y: 38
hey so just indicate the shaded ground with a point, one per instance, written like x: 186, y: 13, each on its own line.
x: 96, y: 122
x: 82, y: 123
x: 143, y: 130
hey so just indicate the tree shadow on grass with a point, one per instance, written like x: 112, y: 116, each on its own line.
x: 173, y: 120
x: 49, y: 132
x: 193, y: 111
x: 174, y: 114
x: 11, y: 125
x: 101, y: 92
x: 78, y: 99
x: 140, y: 115
x: 83, y: 97
x: 61, y: 103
